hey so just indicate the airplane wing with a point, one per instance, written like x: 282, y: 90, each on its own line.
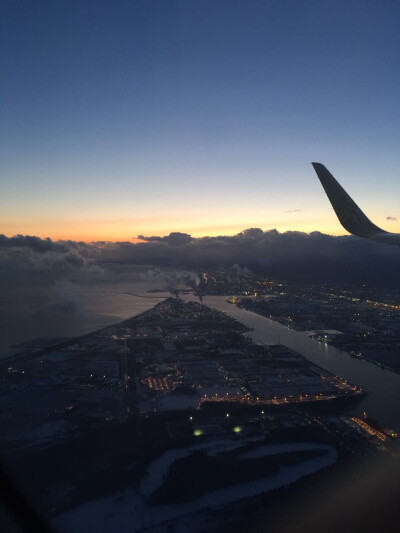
x: 349, y: 214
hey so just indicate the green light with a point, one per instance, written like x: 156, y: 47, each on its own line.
x: 237, y: 429
x: 198, y: 432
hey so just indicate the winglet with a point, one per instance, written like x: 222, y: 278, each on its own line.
x: 349, y: 214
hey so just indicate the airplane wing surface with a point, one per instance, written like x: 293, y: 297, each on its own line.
x: 349, y: 214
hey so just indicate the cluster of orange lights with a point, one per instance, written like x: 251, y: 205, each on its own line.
x: 245, y: 399
x: 383, y: 306
x: 160, y: 384
x: 369, y: 429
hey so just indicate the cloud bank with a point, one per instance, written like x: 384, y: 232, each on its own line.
x: 290, y: 255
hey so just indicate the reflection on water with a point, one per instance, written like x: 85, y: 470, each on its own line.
x: 383, y: 386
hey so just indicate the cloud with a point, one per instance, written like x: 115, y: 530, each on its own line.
x: 293, y: 211
x: 31, y: 260
x: 391, y: 218
x: 173, y: 239
x: 33, y: 243
x: 291, y: 255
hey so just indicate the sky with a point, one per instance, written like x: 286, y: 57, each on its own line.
x: 131, y: 118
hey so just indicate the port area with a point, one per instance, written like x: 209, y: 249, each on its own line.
x: 356, y: 318
x: 87, y: 417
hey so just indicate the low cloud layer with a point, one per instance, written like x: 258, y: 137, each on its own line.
x: 290, y: 255
x: 31, y: 260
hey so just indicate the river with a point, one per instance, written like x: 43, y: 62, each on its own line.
x: 383, y: 386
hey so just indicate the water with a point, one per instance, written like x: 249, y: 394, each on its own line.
x: 383, y: 386
x: 29, y: 314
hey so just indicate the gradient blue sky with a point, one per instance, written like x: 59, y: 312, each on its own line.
x: 122, y: 118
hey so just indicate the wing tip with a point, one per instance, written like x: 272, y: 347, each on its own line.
x: 323, y: 173
x: 349, y: 214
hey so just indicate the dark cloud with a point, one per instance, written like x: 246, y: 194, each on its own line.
x: 391, y: 218
x: 31, y: 260
x: 74, y: 259
x: 33, y: 243
x: 289, y: 255
x: 173, y: 239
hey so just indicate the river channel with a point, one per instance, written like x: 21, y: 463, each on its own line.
x: 383, y: 386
